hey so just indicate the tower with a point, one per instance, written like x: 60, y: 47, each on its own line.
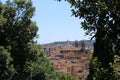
x: 76, y: 43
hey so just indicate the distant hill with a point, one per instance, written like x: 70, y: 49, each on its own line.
x: 88, y: 43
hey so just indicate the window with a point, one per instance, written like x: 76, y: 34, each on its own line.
x: 68, y: 69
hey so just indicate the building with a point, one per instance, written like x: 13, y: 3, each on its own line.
x: 69, y: 59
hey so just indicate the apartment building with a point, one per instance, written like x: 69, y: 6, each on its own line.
x: 69, y: 59
x: 75, y: 67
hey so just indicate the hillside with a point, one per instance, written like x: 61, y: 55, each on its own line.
x: 88, y: 43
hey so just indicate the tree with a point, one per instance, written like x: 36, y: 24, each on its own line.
x: 42, y: 69
x: 76, y: 43
x: 82, y: 46
x: 6, y: 68
x: 102, y: 21
x: 20, y: 57
x: 17, y: 33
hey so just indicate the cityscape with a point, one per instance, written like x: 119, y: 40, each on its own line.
x: 59, y: 39
x: 72, y: 59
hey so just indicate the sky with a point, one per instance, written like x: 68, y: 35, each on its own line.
x: 56, y: 23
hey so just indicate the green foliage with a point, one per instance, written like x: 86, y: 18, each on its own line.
x: 6, y: 68
x: 98, y: 72
x: 101, y: 18
x: 42, y: 69
x: 17, y: 33
x: 102, y: 22
x: 116, y: 68
x: 89, y: 56
x: 20, y: 57
x: 63, y: 76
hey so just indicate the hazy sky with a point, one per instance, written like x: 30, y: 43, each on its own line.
x: 56, y: 23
